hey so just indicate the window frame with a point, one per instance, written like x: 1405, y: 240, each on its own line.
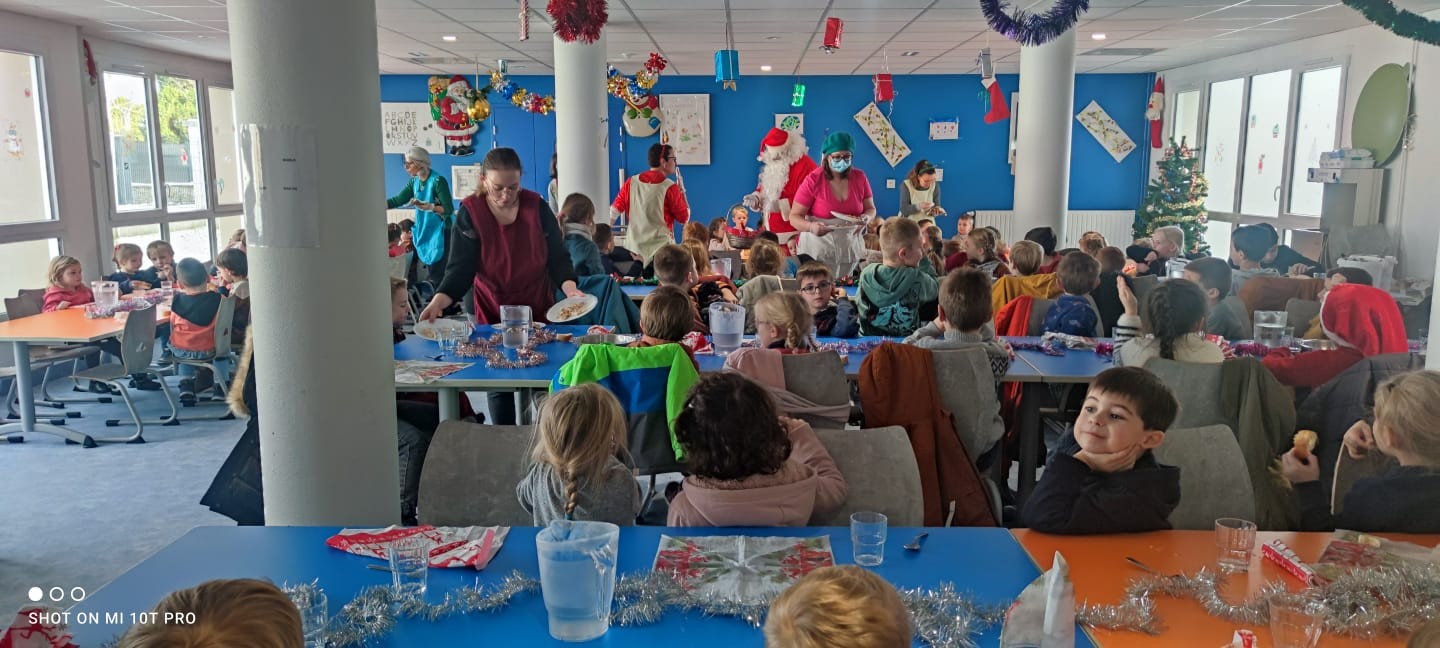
x: 151, y: 112
x: 226, y: 209
x: 48, y: 228
x: 1285, y: 219
x: 202, y: 109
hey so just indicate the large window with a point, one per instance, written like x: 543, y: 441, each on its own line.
x: 191, y: 239
x: 127, y: 109
x: 225, y: 227
x: 27, y: 264
x: 1314, y: 134
x: 177, y: 101
x: 227, y: 145
x: 1222, y: 142
x: 140, y: 235
x: 25, y: 162
x: 1265, y: 130
x: 1187, y: 118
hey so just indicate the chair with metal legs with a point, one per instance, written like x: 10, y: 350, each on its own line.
x: 137, y: 346
x: 224, y: 326
x: 50, y: 357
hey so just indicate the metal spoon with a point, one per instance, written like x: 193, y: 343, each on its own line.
x: 915, y: 544
x: 1144, y: 567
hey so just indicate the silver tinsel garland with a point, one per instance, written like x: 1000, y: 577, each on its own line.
x: 1365, y: 603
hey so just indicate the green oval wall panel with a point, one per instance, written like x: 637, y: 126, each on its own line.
x: 1381, y: 112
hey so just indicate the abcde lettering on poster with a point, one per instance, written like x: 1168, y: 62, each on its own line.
x: 403, y: 125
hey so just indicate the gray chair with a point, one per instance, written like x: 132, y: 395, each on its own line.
x: 224, y: 350
x: 1142, y: 286
x: 470, y: 475
x: 50, y: 356
x: 967, y: 388
x: 1299, y: 312
x: 880, y: 470
x: 790, y: 284
x: 1214, y: 481
x: 820, y: 379
x: 137, y: 344
x: 1038, y: 308
x: 1348, y: 471
x: 737, y: 264
x: 1197, y: 388
x: 1242, y: 314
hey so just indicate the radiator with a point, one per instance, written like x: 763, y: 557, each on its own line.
x: 1115, y: 226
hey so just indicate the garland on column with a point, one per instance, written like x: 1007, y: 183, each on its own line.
x: 1033, y: 29
x: 579, y: 20
x: 1398, y: 21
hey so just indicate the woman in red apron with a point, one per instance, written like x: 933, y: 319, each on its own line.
x: 506, y: 246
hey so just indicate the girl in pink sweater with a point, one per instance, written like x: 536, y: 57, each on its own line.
x: 748, y: 466
x: 67, y: 285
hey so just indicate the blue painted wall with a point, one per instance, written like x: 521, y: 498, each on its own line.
x: 977, y: 175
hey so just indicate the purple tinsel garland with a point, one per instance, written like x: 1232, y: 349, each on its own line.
x: 1033, y: 29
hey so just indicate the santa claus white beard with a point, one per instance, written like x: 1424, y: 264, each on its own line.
x: 772, y: 180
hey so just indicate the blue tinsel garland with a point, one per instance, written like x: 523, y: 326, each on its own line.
x: 1033, y: 29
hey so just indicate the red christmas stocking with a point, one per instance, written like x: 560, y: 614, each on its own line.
x: 998, y: 109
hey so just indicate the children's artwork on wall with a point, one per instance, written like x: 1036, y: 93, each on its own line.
x: 791, y: 122
x: 1106, y: 131
x: 945, y: 129
x: 687, y: 126
x: 882, y: 134
x: 403, y: 125
x: 464, y: 179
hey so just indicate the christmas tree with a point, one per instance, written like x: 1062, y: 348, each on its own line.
x: 1176, y: 197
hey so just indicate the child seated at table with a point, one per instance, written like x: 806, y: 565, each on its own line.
x: 896, y: 296
x: 674, y: 266
x: 710, y: 287
x: 1175, y: 319
x: 1072, y: 313
x: 162, y: 261
x: 748, y: 466
x: 577, y: 214
x: 1212, y: 274
x: 986, y: 251
x: 577, y: 462
x: 67, y: 285
x: 783, y: 322
x: 227, y: 612
x: 964, y: 321
x: 1248, y: 246
x: 192, y: 325
x: 1026, y: 257
x: 1362, y: 321
x: 392, y: 235
x: 838, y: 607
x: 128, y: 275
x: 1335, y: 277
x: 666, y: 316
x: 233, y: 269
x: 1403, y: 498
x: 764, y: 266
x: 612, y: 255
x: 835, y: 315
x: 1103, y: 477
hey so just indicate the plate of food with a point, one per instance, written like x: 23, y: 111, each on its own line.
x: 845, y: 217
x: 434, y: 330
x: 570, y: 309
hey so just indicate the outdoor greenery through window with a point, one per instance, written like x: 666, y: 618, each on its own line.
x: 127, y: 108
x: 177, y: 103
x: 25, y: 180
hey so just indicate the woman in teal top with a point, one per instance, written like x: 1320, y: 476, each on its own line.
x: 429, y: 194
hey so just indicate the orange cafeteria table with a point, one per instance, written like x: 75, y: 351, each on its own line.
x: 1100, y: 573
x: 58, y: 327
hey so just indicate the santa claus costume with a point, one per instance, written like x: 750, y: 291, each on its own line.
x: 455, y: 123
x: 786, y: 165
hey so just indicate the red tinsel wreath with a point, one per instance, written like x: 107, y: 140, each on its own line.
x: 578, y: 19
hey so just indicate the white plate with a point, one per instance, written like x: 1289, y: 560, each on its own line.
x: 843, y: 217
x: 501, y: 327
x: 574, y: 308
x: 431, y: 330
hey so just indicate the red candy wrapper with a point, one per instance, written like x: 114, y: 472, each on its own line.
x: 37, y: 627
x: 1277, y: 552
x: 697, y: 343
x: 1242, y: 639
x: 596, y: 329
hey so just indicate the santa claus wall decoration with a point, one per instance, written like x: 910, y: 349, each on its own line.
x: 642, y: 108
x: 1155, y: 112
x: 786, y: 164
x: 454, y: 120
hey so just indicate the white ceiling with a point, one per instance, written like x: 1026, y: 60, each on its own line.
x: 946, y: 34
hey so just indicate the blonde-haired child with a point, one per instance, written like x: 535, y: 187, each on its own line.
x: 235, y: 612
x: 764, y: 265
x: 838, y: 607
x: 1403, y: 498
x: 162, y: 261
x: 67, y: 285
x: 576, y: 472
x: 783, y: 321
x: 128, y: 257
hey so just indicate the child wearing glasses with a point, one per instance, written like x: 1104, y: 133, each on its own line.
x: 835, y: 314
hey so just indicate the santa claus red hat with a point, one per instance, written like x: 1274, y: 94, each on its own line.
x: 775, y: 138
x: 1364, y: 318
x: 457, y: 79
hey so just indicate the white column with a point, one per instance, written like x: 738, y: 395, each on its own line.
x: 323, y: 354
x: 1042, y: 164
x: 582, y: 128
x: 1432, y: 360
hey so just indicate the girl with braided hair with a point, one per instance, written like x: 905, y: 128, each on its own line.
x: 783, y: 321
x: 1174, y: 321
x: 578, y: 463
x: 982, y: 248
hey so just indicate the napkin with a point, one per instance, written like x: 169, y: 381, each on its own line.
x: 37, y: 627
x: 472, y: 546
x: 1044, y: 614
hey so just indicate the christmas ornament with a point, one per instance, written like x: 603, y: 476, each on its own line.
x: 642, y: 114
x: 89, y: 63
x: 1155, y: 112
x: 884, y: 87
x: 479, y: 103
x: 797, y: 99
x: 520, y: 97
x: 1033, y: 29
x: 834, y: 27
x: 452, y: 111
x: 1397, y: 21
x: 996, y: 109
x: 524, y: 20
x: 727, y: 68
x: 579, y: 20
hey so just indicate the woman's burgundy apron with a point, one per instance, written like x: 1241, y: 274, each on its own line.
x: 511, y: 270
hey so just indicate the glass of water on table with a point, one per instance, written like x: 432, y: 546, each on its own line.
x: 515, y: 326
x: 867, y: 535
x: 410, y: 566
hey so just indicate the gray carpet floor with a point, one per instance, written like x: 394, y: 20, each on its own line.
x: 78, y: 517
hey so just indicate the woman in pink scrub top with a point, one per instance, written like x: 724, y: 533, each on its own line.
x: 834, y: 189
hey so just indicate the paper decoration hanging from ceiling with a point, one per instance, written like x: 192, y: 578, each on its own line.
x: 882, y: 134
x: 1106, y: 131
x: 945, y: 129
x: 792, y: 122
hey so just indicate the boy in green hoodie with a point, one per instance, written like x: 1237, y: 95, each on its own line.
x: 897, y: 297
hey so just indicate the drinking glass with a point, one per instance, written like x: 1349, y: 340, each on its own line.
x: 577, y: 577
x: 1235, y: 539
x: 1296, y: 621
x: 314, y: 615
x: 514, y: 326
x: 167, y: 288
x: 410, y: 566
x: 1270, y: 327
x: 727, y: 327
x: 867, y: 534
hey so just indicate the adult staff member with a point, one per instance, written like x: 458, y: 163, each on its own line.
x: 834, y: 189
x: 919, y: 193
x: 654, y: 203
x: 429, y: 194
x: 506, y: 246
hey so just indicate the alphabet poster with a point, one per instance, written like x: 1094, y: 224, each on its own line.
x: 687, y: 126
x: 882, y: 134
x: 403, y: 125
x: 1106, y: 131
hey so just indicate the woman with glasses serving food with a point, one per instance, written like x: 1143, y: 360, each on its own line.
x: 833, y: 206
x: 506, y: 245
